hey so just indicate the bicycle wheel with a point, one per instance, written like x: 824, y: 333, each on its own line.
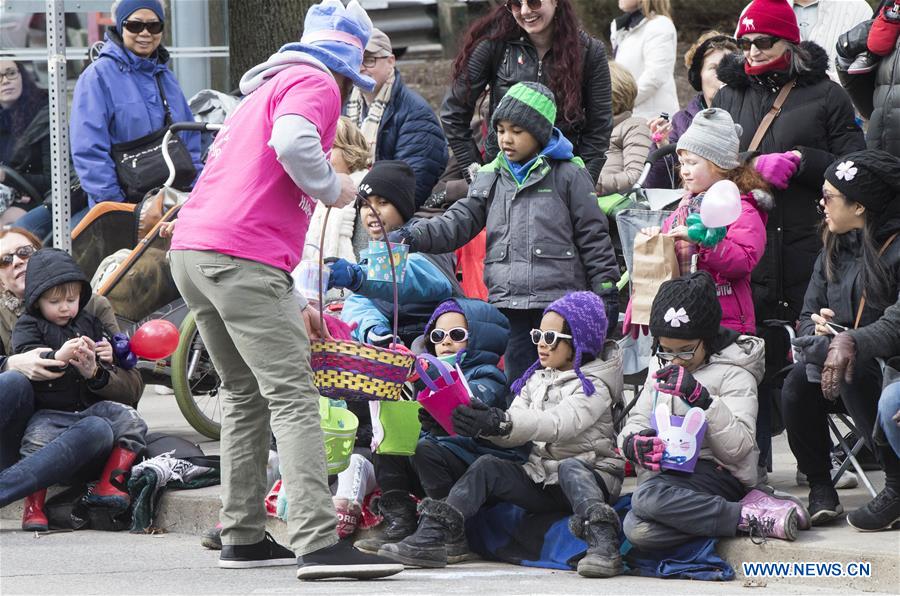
x: 195, y: 381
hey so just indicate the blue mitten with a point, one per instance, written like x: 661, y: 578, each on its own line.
x: 345, y: 274
x: 380, y: 335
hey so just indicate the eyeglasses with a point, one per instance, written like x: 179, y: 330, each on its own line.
x: 10, y: 75
x: 456, y: 334
x: 763, y: 42
x: 154, y: 27
x: 670, y: 356
x: 551, y: 338
x: 372, y: 60
x: 515, y: 6
x: 23, y: 252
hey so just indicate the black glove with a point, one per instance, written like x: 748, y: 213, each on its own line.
x: 611, y: 306
x: 676, y: 380
x: 477, y: 419
x: 430, y: 425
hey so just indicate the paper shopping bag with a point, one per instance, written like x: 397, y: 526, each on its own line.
x: 654, y: 262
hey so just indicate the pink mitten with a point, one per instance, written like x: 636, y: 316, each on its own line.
x: 778, y: 168
x: 628, y: 328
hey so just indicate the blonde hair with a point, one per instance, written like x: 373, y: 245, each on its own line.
x: 726, y: 44
x: 350, y: 140
x: 656, y: 7
x: 624, y: 88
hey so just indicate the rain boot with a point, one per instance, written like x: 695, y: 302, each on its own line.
x: 110, y: 491
x: 33, y: 517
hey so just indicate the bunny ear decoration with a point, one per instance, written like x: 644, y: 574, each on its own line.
x: 661, y: 415
x: 693, y: 420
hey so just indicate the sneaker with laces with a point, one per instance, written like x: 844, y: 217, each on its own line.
x: 881, y: 513
x: 824, y: 505
x: 766, y: 516
x: 342, y: 560
x: 265, y: 553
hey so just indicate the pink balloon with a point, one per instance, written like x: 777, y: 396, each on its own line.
x: 155, y: 340
x: 721, y: 204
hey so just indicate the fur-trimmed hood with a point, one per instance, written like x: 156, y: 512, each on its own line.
x: 764, y: 199
x: 731, y: 70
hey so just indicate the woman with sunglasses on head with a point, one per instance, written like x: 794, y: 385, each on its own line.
x: 471, y: 334
x: 644, y: 41
x: 531, y: 41
x: 86, y: 442
x: 118, y: 99
x: 856, y: 277
x: 700, y: 364
x: 815, y: 124
x: 563, y: 415
x: 24, y: 141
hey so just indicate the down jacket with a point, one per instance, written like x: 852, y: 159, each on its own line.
x: 731, y: 261
x: 817, y: 114
x: 49, y: 268
x: 117, y: 100
x: 409, y: 131
x: 628, y: 148
x: 731, y: 376
x: 498, y: 65
x: 545, y: 238
x: 562, y: 422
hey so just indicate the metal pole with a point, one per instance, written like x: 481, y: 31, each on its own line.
x: 59, y: 123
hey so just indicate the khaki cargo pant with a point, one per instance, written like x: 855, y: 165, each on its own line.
x: 254, y: 332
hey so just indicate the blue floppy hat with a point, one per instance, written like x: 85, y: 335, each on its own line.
x: 337, y: 37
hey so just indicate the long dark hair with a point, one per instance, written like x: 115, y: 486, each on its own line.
x: 32, y: 101
x: 877, y: 281
x: 568, y: 53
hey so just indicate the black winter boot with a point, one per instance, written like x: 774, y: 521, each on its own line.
x: 399, y: 511
x: 440, y: 524
x: 600, y: 529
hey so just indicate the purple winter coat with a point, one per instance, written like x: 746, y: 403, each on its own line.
x: 659, y: 172
x: 731, y: 261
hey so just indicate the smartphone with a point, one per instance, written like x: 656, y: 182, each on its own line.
x: 664, y: 116
x: 836, y: 328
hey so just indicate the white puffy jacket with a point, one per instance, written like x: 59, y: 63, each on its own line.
x: 649, y: 50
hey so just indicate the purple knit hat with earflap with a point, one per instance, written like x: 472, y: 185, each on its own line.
x: 443, y: 308
x: 586, y: 316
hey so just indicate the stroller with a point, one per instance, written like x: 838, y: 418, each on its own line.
x: 140, y: 288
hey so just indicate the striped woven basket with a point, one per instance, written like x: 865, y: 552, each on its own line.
x: 351, y: 370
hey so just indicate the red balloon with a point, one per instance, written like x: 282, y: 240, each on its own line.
x: 154, y: 340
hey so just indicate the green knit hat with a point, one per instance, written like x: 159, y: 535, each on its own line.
x: 531, y: 106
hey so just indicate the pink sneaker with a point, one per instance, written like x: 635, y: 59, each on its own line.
x: 764, y: 516
x: 348, y: 515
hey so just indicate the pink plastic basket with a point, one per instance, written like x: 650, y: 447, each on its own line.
x: 443, y: 395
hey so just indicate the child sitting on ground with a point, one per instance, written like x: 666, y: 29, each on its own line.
x: 701, y: 365
x: 546, y: 234
x: 472, y: 334
x: 56, y: 292
x: 708, y: 153
x: 389, y: 189
x: 564, y: 409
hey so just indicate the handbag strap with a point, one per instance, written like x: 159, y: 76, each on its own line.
x: 165, y: 102
x: 862, y: 301
x: 442, y: 368
x: 770, y: 116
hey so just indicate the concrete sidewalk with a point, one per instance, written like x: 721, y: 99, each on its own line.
x: 185, y: 514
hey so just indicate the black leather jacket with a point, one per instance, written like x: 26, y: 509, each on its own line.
x: 500, y: 65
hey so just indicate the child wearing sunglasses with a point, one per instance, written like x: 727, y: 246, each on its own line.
x: 546, y: 234
x: 471, y: 334
x: 700, y: 364
x: 563, y: 411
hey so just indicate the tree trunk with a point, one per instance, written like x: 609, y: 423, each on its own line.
x: 257, y: 28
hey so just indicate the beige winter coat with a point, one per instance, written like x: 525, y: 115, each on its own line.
x: 553, y: 413
x: 629, y: 145
x: 731, y: 377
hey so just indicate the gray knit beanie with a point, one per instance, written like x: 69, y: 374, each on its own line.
x: 531, y: 106
x: 713, y: 135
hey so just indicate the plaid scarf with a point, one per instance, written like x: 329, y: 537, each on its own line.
x: 685, y: 250
x: 369, y: 121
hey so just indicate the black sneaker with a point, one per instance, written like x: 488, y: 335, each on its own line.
x: 342, y: 560
x: 881, y: 513
x: 824, y: 505
x: 265, y: 553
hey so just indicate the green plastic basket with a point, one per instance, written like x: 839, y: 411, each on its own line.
x: 339, y: 427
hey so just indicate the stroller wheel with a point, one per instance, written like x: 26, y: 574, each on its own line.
x: 195, y: 381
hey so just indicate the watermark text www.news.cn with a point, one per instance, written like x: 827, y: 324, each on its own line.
x: 808, y: 569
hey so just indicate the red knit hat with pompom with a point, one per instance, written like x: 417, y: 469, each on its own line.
x: 772, y: 17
